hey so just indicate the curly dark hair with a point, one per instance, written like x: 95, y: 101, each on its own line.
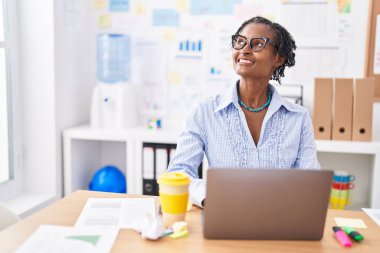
x: 283, y: 43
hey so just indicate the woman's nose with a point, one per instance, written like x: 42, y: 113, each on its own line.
x: 246, y: 50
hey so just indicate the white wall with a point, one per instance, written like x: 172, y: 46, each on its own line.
x: 37, y: 87
x: 54, y: 86
x: 74, y: 70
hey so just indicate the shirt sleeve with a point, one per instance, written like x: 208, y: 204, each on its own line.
x: 189, y: 154
x: 307, y: 153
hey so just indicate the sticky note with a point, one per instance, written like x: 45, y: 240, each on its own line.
x: 99, y: 4
x: 165, y: 17
x: 344, y: 6
x: 169, y: 35
x: 178, y: 235
x: 104, y: 21
x: 119, y: 5
x: 175, y: 78
x: 139, y: 9
x: 354, y: 223
x: 182, y: 6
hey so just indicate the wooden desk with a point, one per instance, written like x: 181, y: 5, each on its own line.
x: 66, y: 211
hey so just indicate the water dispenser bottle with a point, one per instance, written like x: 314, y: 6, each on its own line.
x: 113, y: 58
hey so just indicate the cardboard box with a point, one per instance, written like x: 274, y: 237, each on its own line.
x: 364, y: 90
x: 322, y: 112
x: 342, y: 109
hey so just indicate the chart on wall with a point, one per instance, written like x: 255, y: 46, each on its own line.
x: 184, y: 46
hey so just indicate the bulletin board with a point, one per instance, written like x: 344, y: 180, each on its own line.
x: 181, y: 49
x: 373, y: 45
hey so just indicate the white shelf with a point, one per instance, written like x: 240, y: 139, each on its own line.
x: 85, y: 132
x: 86, y: 148
x: 354, y: 147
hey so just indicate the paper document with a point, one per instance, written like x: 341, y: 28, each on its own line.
x: 58, y: 239
x: 374, y: 214
x: 117, y: 212
x: 354, y: 223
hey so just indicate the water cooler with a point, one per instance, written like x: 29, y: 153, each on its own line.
x: 113, y: 100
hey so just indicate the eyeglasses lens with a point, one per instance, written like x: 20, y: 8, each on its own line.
x: 257, y: 44
x: 238, y: 42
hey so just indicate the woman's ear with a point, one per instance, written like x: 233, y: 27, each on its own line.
x: 280, y: 59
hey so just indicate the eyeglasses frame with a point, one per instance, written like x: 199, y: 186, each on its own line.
x: 248, y: 41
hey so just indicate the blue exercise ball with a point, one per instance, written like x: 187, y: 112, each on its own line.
x: 108, y: 179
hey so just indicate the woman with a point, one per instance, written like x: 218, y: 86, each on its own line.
x: 250, y: 125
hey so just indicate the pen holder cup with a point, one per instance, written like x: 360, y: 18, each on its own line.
x: 341, y: 192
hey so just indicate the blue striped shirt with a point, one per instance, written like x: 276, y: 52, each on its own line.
x: 218, y: 129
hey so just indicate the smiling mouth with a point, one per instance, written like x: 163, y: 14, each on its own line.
x: 244, y: 61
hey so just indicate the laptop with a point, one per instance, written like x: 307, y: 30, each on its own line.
x: 266, y: 204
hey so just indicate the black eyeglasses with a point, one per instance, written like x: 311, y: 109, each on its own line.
x: 256, y: 43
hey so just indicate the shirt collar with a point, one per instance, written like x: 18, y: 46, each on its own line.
x: 230, y: 96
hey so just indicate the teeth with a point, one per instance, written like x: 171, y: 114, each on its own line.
x: 245, y: 61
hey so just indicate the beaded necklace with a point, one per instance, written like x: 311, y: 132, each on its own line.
x: 256, y: 109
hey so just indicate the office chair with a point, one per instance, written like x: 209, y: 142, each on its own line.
x: 7, y: 217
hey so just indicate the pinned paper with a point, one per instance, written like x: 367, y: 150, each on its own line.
x: 165, y: 17
x: 119, y: 5
x: 246, y: 11
x: 104, y: 21
x: 211, y: 7
x: 130, y: 23
x: 353, y: 223
x: 99, y: 4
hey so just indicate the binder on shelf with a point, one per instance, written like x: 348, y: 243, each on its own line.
x: 362, y: 109
x: 342, y: 109
x: 322, y: 116
x: 161, y: 161
x: 155, y: 159
x: 149, y: 182
x: 171, y: 153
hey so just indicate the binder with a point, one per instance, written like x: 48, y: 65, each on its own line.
x: 156, y: 157
x: 171, y: 153
x: 149, y: 182
x: 161, y: 161
x: 342, y: 109
x: 322, y: 116
x: 362, y: 109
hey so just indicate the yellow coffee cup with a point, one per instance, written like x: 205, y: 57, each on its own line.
x: 174, y: 194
